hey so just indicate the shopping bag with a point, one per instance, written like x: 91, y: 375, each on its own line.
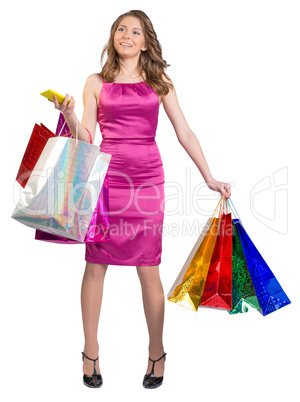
x: 243, y: 293
x: 62, y: 128
x: 35, y: 146
x: 217, y: 291
x: 99, y: 228
x: 63, y: 189
x: 269, y: 292
x: 188, y: 287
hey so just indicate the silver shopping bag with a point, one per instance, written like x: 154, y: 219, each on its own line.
x: 63, y: 189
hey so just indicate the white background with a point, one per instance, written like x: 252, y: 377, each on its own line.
x: 235, y: 67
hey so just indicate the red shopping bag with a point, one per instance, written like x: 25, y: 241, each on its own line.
x: 218, y: 286
x: 35, y: 146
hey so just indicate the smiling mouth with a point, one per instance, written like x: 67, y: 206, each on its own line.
x: 127, y: 45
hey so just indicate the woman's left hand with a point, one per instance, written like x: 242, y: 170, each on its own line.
x: 223, y: 188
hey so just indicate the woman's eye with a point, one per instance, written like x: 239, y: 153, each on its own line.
x: 134, y: 31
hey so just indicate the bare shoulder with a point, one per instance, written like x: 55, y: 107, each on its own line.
x: 171, y: 92
x: 174, y: 112
x: 161, y: 97
x: 168, y: 80
x: 93, y: 86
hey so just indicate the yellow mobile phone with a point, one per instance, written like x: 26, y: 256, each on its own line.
x: 49, y: 95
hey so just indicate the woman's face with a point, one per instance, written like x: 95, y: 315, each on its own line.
x: 129, y: 32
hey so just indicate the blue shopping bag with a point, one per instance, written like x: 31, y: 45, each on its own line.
x: 270, y: 295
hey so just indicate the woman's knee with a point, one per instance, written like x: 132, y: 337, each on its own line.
x: 149, y: 276
x: 97, y: 271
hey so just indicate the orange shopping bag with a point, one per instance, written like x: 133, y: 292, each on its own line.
x: 188, y: 287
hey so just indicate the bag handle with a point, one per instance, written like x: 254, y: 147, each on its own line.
x: 76, y: 130
x: 221, y: 206
x: 62, y: 128
x: 236, y: 214
x: 223, y: 203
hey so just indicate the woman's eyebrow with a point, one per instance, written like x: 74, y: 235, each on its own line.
x: 126, y: 27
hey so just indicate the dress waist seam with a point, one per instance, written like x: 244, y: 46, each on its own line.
x: 130, y: 140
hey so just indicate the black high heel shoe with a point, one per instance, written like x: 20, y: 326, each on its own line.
x: 95, y: 380
x: 150, y: 380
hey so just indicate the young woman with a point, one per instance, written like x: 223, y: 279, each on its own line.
x: 124, y: 99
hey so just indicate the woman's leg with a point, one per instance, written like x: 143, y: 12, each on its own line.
x: 154, y: 306
x: 91, y: 298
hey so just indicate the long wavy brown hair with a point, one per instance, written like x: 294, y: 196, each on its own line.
x: 150, y: 61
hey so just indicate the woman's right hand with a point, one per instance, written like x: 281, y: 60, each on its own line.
x: 63, y: 107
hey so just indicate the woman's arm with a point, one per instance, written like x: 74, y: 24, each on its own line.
x: 190, y: 143
x: 89, y: 118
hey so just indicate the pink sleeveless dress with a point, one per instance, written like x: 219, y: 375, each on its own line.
x: 128, y: 117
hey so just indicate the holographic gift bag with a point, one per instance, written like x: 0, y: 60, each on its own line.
x: 35, y: 146
x: 217, y: 291
x: 188, y: 287
x: 63, y: 189
x: 99, y: 228
x: 270, y: 294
